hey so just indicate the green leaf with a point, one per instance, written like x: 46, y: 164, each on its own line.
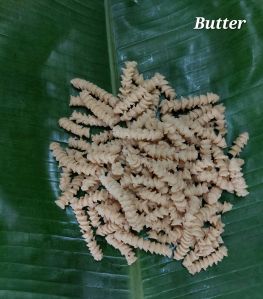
x: 43, y: 44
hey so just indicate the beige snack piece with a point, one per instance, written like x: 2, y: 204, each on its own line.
x: 70, y: 126
x: 239, y: 143
x: 93, y: 89
x: 88, y: 120
x: 87, y: 233
x: 123, y: 248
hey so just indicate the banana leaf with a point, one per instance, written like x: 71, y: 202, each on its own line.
x: 44, y: 44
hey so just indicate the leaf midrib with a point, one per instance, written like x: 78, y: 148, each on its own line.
x: 114, y: 75
x: 135, y: 279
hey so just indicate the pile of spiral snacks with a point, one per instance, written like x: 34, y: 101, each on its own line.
x: 162, y: 175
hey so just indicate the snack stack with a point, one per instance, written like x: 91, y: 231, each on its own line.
x: 158, y: 165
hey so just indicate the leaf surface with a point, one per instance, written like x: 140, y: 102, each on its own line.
x: 44, y: 44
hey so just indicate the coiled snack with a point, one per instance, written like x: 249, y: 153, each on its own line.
x: 239, y: 143
x: 147, y: 182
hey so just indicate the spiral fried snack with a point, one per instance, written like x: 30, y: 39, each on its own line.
x: 142, y: 175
